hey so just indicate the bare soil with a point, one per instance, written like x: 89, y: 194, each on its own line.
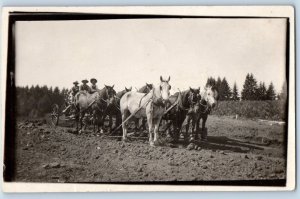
x: 235, y: 150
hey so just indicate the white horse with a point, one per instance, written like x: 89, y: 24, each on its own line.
x: 150, y: 105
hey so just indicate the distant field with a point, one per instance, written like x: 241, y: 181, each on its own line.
x: 271, y: 110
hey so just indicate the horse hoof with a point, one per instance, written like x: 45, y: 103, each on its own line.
x: 152, y: 144
x: 191, y: 140
x: 124, y: 140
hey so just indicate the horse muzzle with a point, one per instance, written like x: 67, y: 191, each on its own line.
x: 213, y: 105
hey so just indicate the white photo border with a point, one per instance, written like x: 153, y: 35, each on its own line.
x: 204, y: 11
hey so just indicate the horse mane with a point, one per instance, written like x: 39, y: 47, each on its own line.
x: 144, y: 88
x: 102, y: 92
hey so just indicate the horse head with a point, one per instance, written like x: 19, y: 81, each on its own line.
x: 194, y: 95
x: 164, y: 89
x: 110, y: 94
x: 148, y: 87
x: 210, y: 95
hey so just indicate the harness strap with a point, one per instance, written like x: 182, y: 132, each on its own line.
x: 142, y: 98
x: 140, y: 107
x: 205, y: 106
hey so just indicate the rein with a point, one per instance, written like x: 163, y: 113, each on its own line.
x: 157, y: 98
x: 205, y: 106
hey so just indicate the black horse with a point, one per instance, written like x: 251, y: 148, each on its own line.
x: 202, y: 109
x: 181, y: 104
x: 103, y: 105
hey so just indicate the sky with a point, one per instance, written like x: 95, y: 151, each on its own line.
x: 131, y: 52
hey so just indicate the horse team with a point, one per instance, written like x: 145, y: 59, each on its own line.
x: 151, y: 104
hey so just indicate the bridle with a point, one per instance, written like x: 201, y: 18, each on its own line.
x: 206, y: 106
x: 157, y: 101
x: 190, y: 100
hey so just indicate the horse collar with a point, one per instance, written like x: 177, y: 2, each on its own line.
x: 206, y: 106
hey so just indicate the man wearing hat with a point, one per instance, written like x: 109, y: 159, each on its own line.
x: 84, y: 86
x: 75, y: 88
x: 94, y: 87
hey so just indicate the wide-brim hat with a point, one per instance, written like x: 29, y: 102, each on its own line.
x: 93, y: 80
x: 84, y: 81
x: 76, y: 82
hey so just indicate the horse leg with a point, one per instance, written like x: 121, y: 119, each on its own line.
x: 203, y: 132
x: 168, y: 126
x: 100, y: 122
x: 194, y: 128
x: 109, y: 123
x: 156, y: 123
x: 144, y: 124
x: 77, y: 117
x: 150, y: 124
x: 82, y: 113
x: 189, y: 118
x: 197, y: 127
x: 125, y: 114
x: 118, y: 120
x: 94, y: 120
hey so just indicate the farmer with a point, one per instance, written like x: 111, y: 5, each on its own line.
x: 84, y: 86
x: 94, y: 87
x: 75, y: 88
x: 70, y: 98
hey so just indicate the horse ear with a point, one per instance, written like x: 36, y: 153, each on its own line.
x: 169, y: 79
x: 191, y: 89
x: 112, y: 86
x: 105, y: 86
x: 161, y: 79
x: 130, y: 88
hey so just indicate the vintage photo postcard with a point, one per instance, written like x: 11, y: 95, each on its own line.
x: 181, y: 98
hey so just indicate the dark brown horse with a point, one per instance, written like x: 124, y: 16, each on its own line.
x: 115, y: 110
x: 104, y: 106
x: 206, y: 103
x: 183, y: 103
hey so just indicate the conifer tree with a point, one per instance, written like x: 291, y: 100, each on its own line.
x: 271, y: 92
x: 249, y: 88
x: 235, y: 93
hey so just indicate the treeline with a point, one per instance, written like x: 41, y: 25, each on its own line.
x: 270, y: 110
x: 36, y: 101
x: 251, y: 90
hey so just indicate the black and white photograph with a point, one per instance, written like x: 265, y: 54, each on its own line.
x: 174, y: 97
